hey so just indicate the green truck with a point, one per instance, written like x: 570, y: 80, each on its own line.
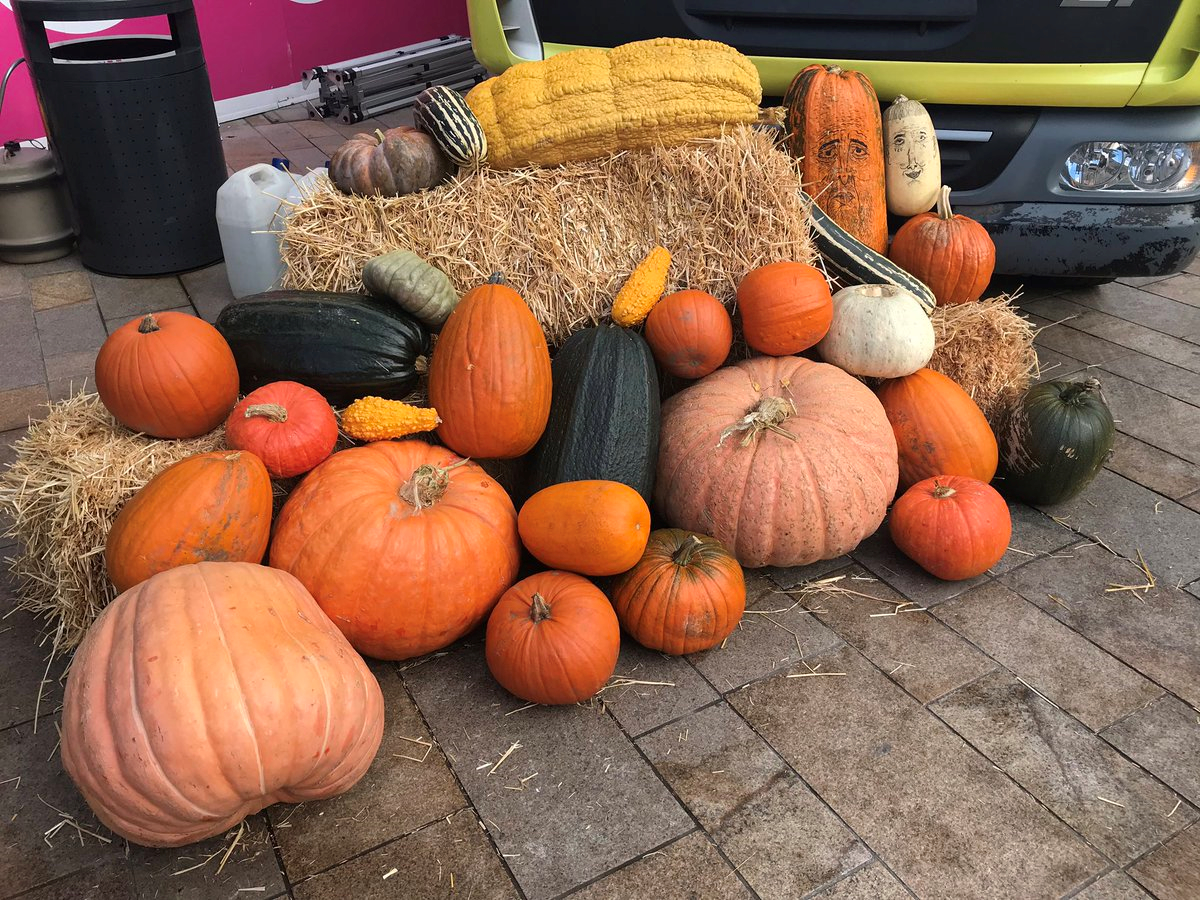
x: 1069, y: 128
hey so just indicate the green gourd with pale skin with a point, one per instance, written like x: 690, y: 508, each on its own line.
x: 912, y: 161
x: 878, y: 331
x: 418, y: 288
x: 1054, y: 441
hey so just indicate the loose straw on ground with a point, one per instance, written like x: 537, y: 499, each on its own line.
x: 567, y: 237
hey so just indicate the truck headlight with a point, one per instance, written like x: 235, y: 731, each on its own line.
x: 1158, y: 166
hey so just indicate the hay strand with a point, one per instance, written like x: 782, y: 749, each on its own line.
x: 567, y: 237
x: 73, y: 471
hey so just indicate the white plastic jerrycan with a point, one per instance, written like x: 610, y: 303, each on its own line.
x: 246, y: 218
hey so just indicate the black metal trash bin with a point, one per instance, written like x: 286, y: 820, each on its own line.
x: 132, y: 121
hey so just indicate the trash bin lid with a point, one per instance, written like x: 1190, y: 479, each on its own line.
x: 26, y: 165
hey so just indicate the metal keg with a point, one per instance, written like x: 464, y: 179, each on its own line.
x: 35, y: 220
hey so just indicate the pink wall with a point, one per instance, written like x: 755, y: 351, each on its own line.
x: 251, y: 45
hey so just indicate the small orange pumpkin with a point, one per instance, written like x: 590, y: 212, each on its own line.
x: 954, y: 255
x: 590, y: 527
x: 786, y: 307
x: 287, y: 425
x: 212, y: 506
x: 687, y: 593
x: 690, y: 333
x: 953, y: 527
x: 553, y: 638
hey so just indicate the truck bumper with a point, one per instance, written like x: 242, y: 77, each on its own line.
x: 1090, y: 239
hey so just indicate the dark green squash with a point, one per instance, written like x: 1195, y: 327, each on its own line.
x: 344, y: 345
x: 604, y: 413
x: 1054, y: 441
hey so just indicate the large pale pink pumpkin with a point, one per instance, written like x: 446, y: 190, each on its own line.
x: 784, y: 460
x: 209, y: 692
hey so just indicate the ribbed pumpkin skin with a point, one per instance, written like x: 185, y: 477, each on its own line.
x: 834, y: 125
x: 290, y: 427
x: 208, y: 693
x: 563, y: 658
x: 939, y: 428
x: 212, y: 507
x: 589, y: 527
x: 690, y: 333
x: 777, y: 501
x: 878, y: 331
x: 604, y: 419
x: 442, y: 113
x: 952, y: 254
x: 687, y: 593
x: 398, y: 161
x: 1055, y: 441
x: 168, y: 375
x: 397, y: 580
x: 951, y: 526
x: 489, y: 378
x: 786, y: 307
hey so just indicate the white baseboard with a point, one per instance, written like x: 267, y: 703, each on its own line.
x: 264, y: 101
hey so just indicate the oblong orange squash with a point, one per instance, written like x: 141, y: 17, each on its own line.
x: 489, y: 378
x: 939, y: 429
x: 589, y: 527
x: 212, y: 506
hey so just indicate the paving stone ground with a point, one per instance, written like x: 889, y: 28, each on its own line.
x: 1028, y: 734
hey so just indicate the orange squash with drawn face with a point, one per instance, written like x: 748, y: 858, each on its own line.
x: 834, y: 126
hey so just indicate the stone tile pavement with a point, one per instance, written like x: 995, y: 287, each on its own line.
x: 1027, y: 734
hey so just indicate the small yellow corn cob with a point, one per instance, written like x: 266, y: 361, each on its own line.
x: 643, y: 288
x: 376, y: 419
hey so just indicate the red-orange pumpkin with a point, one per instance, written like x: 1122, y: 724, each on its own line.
x: 591, y: 527
x: 952, y: 254
x: 939, y: 429
x: 834, y: 126
x: 489, y: 378
x: 786, y: 307
x: 169, y: 375
x: 553, y: 638
x: 404, y: 545
x: 953, y: 527
x: 687, y: 593
x: 212, y: 506
x: 690, y: 333
x: 210, y: 692
x: 783, y: 460
x: 288, y: 426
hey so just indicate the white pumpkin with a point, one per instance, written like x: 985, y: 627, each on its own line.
x: 913, y: 163
x: 878, y: 331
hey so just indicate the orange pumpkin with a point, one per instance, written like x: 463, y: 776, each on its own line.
x: 212, y: 506
x: 783, y: 460
x: 690, y: 333
x: 168, y: 375
x: 953, y: 527
x: 833, y: 125
x: 939, y: 429
x: 489, y: 378
x: 954, y: 255
x: 288, y: 426
x: 786, y: 307
x: 686, y: 593
x: 404, y: 545
x: 553, y: 638
x: 590, y: 527
x: 210, y: 692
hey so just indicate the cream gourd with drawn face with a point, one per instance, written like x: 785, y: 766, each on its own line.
x: 913, y: 162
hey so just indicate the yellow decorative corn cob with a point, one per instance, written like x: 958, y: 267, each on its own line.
x: 588, y: 103
x: 642, y: 289
x: 376, y: 419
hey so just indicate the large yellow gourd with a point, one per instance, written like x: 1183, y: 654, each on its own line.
x: 588, y: 103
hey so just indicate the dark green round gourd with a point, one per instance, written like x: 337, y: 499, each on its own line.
x: 1054, y: 441
x: 344, y: 345
x: 604, y: 413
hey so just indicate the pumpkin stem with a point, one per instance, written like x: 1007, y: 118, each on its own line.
x: 379, y: 136
x: 945, y: 213
x: 427, y: 485
x: 942, y: 491
x: 496, y: 278
x: 273, y: 411
x: 149, y: 324
x: 421, y: 365
x: 683, y: 556
x: 900, y: 98
x: 834, y: 70
x: 539, y: 609
x: 769, y: 415
x: 1077, y: 389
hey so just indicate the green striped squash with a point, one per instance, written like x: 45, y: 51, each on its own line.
x: 443, y: 114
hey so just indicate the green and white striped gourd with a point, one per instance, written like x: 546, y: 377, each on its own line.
x: 443, y: 114
x: 413, y: 284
